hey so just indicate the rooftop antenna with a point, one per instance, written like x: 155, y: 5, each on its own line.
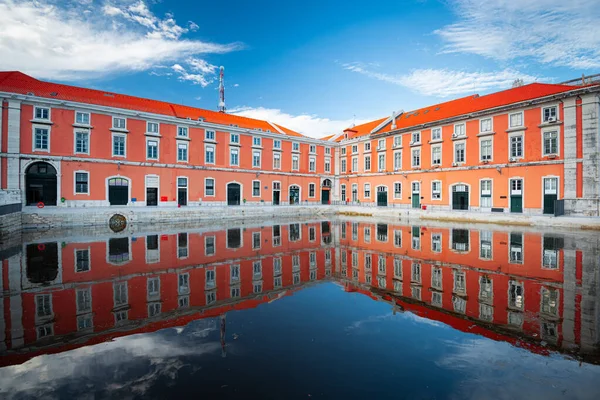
x: 221, y: 90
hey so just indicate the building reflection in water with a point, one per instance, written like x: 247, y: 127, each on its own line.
x: 534, y: 290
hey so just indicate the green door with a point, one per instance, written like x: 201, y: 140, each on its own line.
x: 550, y: 194
x: 460, y: 197
x: 416, y: 195
x: 118, y: 191
x: 516, y: 195
x: 381, y: 196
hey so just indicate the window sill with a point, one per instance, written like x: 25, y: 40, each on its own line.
x: 550, y: 156
x: 415, y: 144
x: 121, y: 130
x: 436, y: 165
x: 486, y: 133
x: 381, y: 149
x: 276, y: 149
x: 147, y: 159
x: 187, y: 138
x: 41, y: 121
x: 257, y: 147
x: 213, y: 141
x: 516, y: 129
x: 151, y: 134
x: 462, y: 137
x: 549, y: 124
x: 41, y: 150
x: 88, y: 126
x: 436, y: 141
x: 79, y: 153
x: 399, y: 147
x: 298, y: 151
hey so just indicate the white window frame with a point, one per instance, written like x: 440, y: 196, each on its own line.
x: 117, y: 127
x: 88, y: 133
x: 214, y: 181
x: 187, y: 149
x: 397, y: 141
x: 437, y: 146
x: 365, y: 186
x: 343, y: 163
x: 112, y: 144
x: 412, y: 158
x: 153, y: 139
x: 75, y: 192
x: 276, y: 144
x: 214, y: 151
x: 89, y: 117
x: 234, y: 142
x: 296, y: 158
x: 256, y: 141
x: 296, y: 147
x: 483, y: 139
x: 209, y: 132
x: 544, y: 108
x: 259, y: 188
x: 367, y: 157
x: 231, y: 151
x: 183, y: 128
x: 436, y: 129
x: 512, y: 135
x: 49, y: 109
x: 312, y: 149
x: 327, y: 166
x: 438, y: 191
x: 491, y: 192
x: 381, y: 144
x: 464, y: 130
x: 254, y: 152
x: 415, y: 135
x: 367, y: 146
x: 45, y: 127
x: 381, y: 168
x: 148, y: 123
x: 312, y: 164
x: 463, y: 143
x: 510, y: 126
x: 277, y: 156
x: 550, y: 130
x: 482, y: 120
x: 314, y: 190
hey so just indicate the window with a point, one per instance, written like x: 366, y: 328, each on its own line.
x: 436, y: 278
x: 416, y: 158
x: 45, y: 331
x: 343, y: 193
x: 354, y: 148
x: 276, y: 161
x: 82, y: 260
x: 41, y: 139
x: 436, y: 190
x: 549, y: 304
x: 516, y: 295
x: 516, y: 248
x: 119, y: 145
x: 367, y: 190
x: 459, y: 130
x: 367, y: 163
x: 485, y: 149
x: 255, y: 188
x: 209, y: 135
x: 328, y: 151
x: 460, y: 284
x: 152, y: 127
x: 81, y: 182
x: 459, y: 152
x: 416, y: 238
x: 367, y: 146
x: 276, y: 144
x: 182, y: 131
x: 311, y: 190
x: 416, y: 137
x: 397, y: 190
x: 209, y: 245
x: 209, y: 187
x: 436, y: 155
x: 84, y: 300
x: 234, y: 157
x: 294, y: 232
x: 516, y: 146
x: 43, y: 305
x: 486, y: 312
x: 41, y: 113
x: 550, y: 143
x: 154, y: 309
x: 182, y: 152
x: 436, y: 242
x: 82, y: 142
x: 381, y: 162
x: 211, y: 297
x: 381, y: 144
x: 460, y: 239
x: 152, y: 250
x: 235, y: 273
x: 119, y: 123
x: 398, y: 141
x: 295, y: 146
x: 183, y: 301
x: 354, y: 164
x: 485, y: 125
x: 550, y: 114
x: 343, y: 165
x: 256, y: 141
x: 152, y: 149
x: 515, y: 120
x: 486, y: 288
x: 436, y: 133
x: 153, y: 287
x: 82, y: 118
x: 209, y: 155
x: 295, y: 163
x: 397, y: 238
x: 415, y: 273
x: 256, y: 240
x: 354, y: 192
x: 486, y: 194
x: 367, y: 234
x: 256, y: 159
x: 120, y: 294
x: 84, y: 322
x: 182, y: 244
x: 210, y: 278
x: 344, y: 151
x: 312, y: 148
x: 312, y: 164
x: 485, y: 245
x: 234, y: 138
x: 551, y: 252
x: 397, y: 160
x: 327, y: 165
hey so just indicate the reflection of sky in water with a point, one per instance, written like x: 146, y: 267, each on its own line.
x: 321, y: 342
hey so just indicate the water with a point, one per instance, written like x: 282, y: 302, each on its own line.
x: 307, y: 309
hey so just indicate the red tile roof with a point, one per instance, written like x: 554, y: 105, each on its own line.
x: 18, y: 82
x: 462, y: 106
x: 286, y: 131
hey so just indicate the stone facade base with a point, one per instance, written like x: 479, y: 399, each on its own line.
x: 582, y: 207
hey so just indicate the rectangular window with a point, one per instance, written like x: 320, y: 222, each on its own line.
x: 328, y: 151
x: 312, y: 164
x: 295, y: 146
x: 256, y: 240
x: 354, y: 164
x: 209, y: 187
x: 436, y: 133
x: 234, y: 157
x: 152, y: 127
x: 367, y: 163
x: 182, y: 131
x: 436, y: 155
x: 256, y: 141
x: 343, y: 151
x: 381, y: 162
x: 550, y: 143
x: 255, y: 188
x: 515, y: 120
x: 327, y: 165
x: 516, y: 146
x: 436, y: 242
x: 416, y: 137
x: 415, y: 273
x: 295, y: 163
x: 312, y: 148
x: 436, y: 190
x: 397, y: 190
x: 516, y: 248
x: 397, y: 160
x: 459, y: 130
x: 120, y: 294
x: 276, y: 161
x: 516, y: 295
x: 485, y: 125
x: 84, y: 300
x: 209, y: 155
x: 209, y: 135
x: 486, y: 194
x: 550, y: 114
x: 460, y: 284
x: 354, y: 149
x: 153, y: 287
x: 367, y: 146
x: 119, y: 123
x: 119, y: 145
x: 42, y: 113
x: 485, y: 245
x: 182, y: 152
x: 42, y: 139
x: 82, y: 142
x: 311, y: 190
x: 277, y: 144
x: 82, y: 260
x: 398, y: 238
x: 486, y: 290
x: 367, y: 190
x: 367, y: 238
x: 485, y: 149
x: 209, y: 245
x: 436, y: 278
x: 398, y: 141
x: 82, y: 118
x: 81, y: 182
x: 234, y: 138
x: 416, y: 158
x: 343, y: 193
x: 43, y: 305
x: 256, y: 159
x: 381, y: 144
x: 152, y: 149
x: 459, y: 152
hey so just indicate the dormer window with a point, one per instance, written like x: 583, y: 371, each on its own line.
x: 119, y: 123
x: 296, y: 146
x: 416, y: 137
x: 209, y: 135
x: 182, y: 131
x: 550, y: 114
x: 152, y: 127
x: 82, y: 118
x: 256, y: 141
x: 459, y: 130
x: 42, y: 113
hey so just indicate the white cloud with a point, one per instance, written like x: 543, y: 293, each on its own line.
x: 444, y: 82
x: 555, y: 32
x: 202, y: 73
x: 309, y: 125
x: 236, y: 85
x: 79, y: 40
x: 193, y: 26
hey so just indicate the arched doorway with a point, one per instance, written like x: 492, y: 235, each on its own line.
x: 234, y: 194
x: 40, y: 184
x: 42, y: 262
x: 118, y: 191
x: 294, y: 194
x: 325, y: 191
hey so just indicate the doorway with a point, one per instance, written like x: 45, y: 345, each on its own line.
x: 416, y: 195
x: 276, y: 193
x: 550, y: 194
x: 460, y: 197
x: 516, y: 195
x: 325, y: 191
x: 40, y: 184
x: 382, y: 196
x: 234, y: 194
x: 182, y: 191
x: 151, y: 190
x: 294, y: 194
x: 118, y: 191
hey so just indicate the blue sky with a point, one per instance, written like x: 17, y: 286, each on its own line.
x: 313, y: 66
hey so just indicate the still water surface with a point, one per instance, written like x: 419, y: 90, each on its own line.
x: 321, y: 309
